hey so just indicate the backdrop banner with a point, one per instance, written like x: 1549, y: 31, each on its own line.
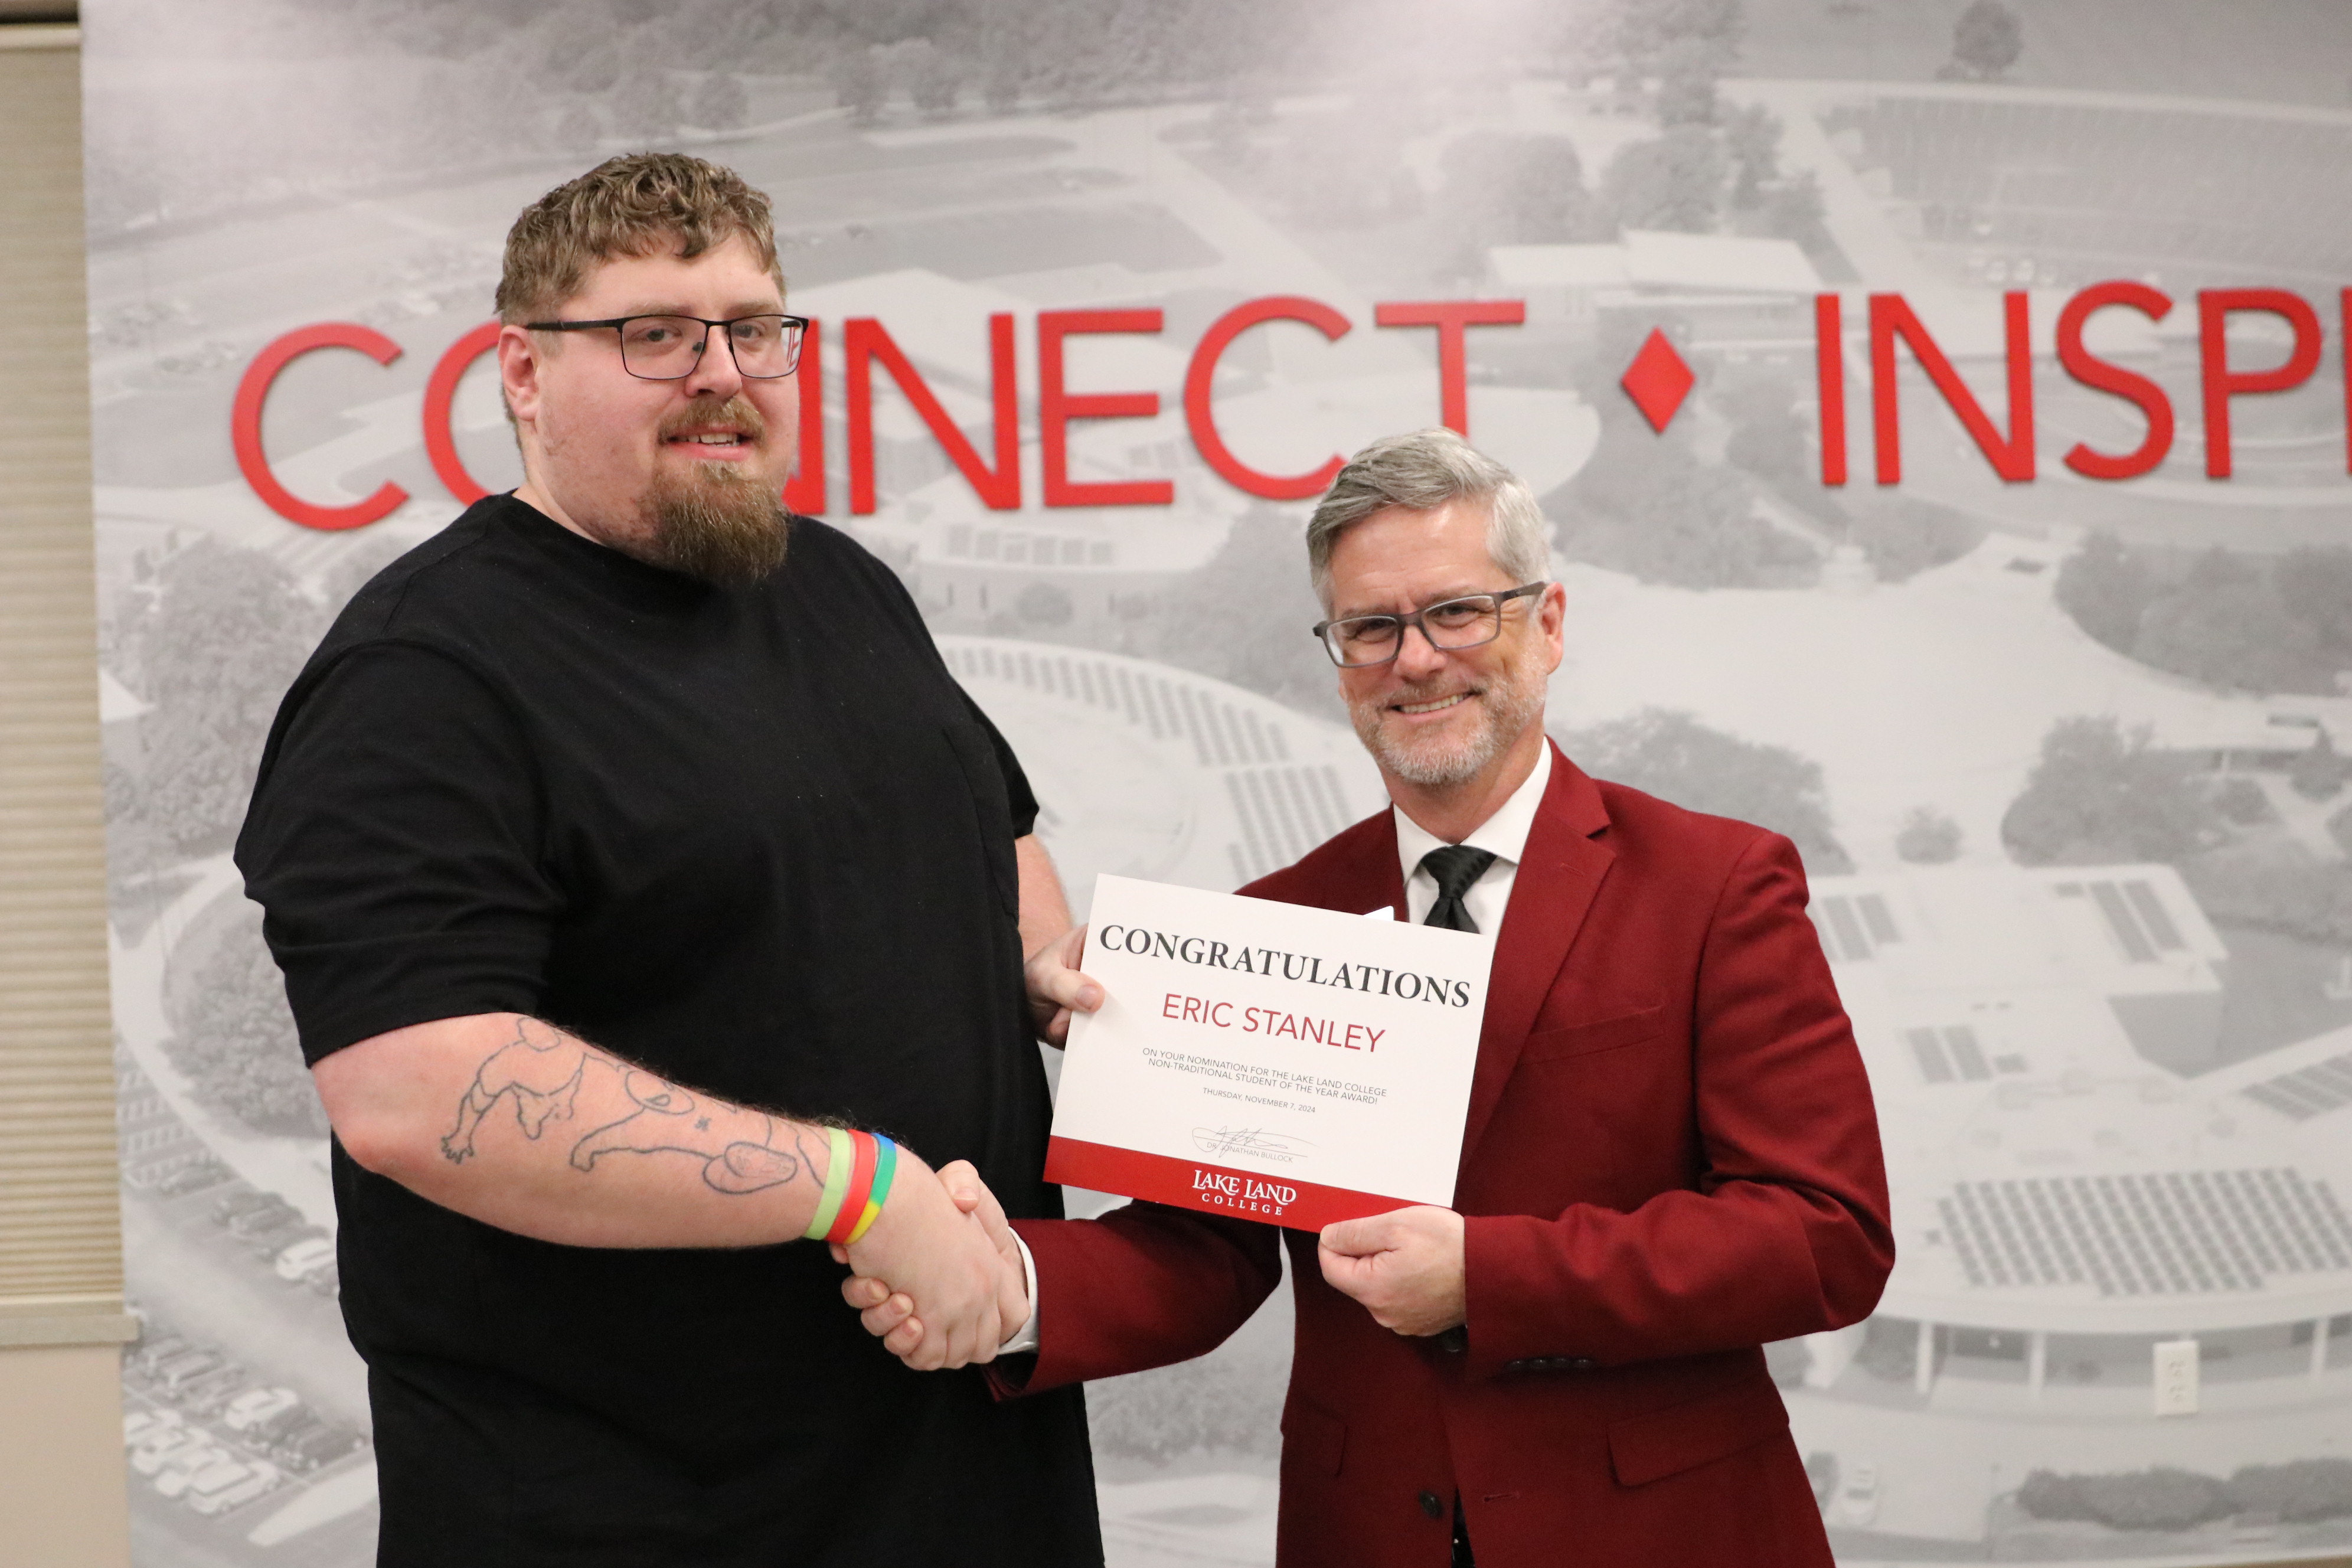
x: 1940, y: 408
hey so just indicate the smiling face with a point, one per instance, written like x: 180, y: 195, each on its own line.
x: 682, y: 474
x: 1440, y: 721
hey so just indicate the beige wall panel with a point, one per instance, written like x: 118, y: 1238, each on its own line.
x: 61, y: 1497
x: 61, y: 1475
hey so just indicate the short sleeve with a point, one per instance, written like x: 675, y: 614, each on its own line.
x: 393, y: 844
x: 1018, y: 796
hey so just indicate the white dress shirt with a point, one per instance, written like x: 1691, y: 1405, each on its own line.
x: 1503, y: 835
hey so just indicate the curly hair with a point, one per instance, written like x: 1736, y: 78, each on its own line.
x: 628, y: 205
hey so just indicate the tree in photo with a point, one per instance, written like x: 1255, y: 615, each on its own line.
x: 1675, y: 757
x: 1927, y: 838
x: 2106, y: 589
x: 1686, y: 94
x: 2100, y: 794
x: 2230, y: 634
x: 1670, y: 182
x: 1903, y: 536
x: 2158, y: 1498
x: 236, y: 1040
x: 2315, y: 581
x: 2319, y: 773
x: 934, y: 79
x: 1505, y: 189
x: 1244, y: 617
x: 226, y: 632
x: 1045, y: 603
x: 858, y: 83
x: 1987, y: 40
x: 1647, y: 35
x: 2297, y: 1491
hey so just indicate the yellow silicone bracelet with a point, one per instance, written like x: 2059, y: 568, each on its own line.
x: 885, y: 1167
x: 837, y: 1183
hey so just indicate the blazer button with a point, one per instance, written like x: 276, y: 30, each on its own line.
x: 1583, y: 1363
x: 1515, y: 1366
x: 1454, y: 1340
x: 1432, y: 1506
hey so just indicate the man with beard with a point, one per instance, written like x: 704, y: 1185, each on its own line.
x: 1671, y: 1157
x: 647, y: 894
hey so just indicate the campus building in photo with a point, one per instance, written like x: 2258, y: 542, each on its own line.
x: 2078, y: 1179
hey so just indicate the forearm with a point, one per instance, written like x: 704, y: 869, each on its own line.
x: 519, y: 1125
x: 1142, y: 1287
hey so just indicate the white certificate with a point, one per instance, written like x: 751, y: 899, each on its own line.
x: 1280, y: 1063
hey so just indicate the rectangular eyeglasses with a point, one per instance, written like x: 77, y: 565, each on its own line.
x: 668, y: 348
x: 1470, y: 621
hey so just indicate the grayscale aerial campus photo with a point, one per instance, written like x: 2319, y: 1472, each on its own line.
x: 1941, y: 410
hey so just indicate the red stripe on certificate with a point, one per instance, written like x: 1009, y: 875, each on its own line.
x: 1213, y: 1189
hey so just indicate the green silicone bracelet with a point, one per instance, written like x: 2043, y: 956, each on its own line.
x: 837, y: 1183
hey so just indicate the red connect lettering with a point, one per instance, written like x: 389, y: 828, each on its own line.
x: 1201, y: 376
x: 997, y: 482
x: 804, y: 491
x: 864, y: 341
x: 2214, y: 307
x: 245, y: 425
x: 1057, y: 406
x: 1452, y: 318
x: 2092, y: 371
x: 1829, y: 372
x: 1890, y: 318
x: 440, y: 398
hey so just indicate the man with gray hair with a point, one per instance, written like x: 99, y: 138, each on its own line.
x: 1670, y: 1158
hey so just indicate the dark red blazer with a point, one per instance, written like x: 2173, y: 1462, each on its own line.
x: 1671, y: 1158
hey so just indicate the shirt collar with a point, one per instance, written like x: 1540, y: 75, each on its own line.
x: 1503, y: 835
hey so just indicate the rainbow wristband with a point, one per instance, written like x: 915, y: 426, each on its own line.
x: 885, y: 1168
x: 837, y: 1183
x: 861, y: 1183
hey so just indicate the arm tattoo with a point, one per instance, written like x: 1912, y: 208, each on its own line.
x: 543, y: 1069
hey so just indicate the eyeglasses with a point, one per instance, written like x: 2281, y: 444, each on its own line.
x: 668, y: 348
x: 1471, y: 621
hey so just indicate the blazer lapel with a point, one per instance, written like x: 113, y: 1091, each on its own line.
x: 1559, y: 877
x: 1366, y: 878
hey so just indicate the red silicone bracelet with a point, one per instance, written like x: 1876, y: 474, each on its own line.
x: 861, y: 1183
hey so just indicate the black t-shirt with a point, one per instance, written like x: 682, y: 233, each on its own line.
x: 758, y: 840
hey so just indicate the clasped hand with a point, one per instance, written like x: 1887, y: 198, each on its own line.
x: 941, y: 1240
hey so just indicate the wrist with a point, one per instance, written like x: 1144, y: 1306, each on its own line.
x: 861, y: 1171
x: 901, y: 1203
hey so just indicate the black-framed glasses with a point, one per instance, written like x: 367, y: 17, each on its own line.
x: 1470, y: 621
x: 667, y: 348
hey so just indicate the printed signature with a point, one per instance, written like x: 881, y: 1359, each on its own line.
x: 1255, y: 1142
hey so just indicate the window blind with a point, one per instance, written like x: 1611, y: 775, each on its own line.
x: 60, y: 1240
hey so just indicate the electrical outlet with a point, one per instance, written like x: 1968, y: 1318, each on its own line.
x: 2176, y: 1377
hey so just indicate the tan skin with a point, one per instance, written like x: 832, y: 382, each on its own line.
x: 592, y: 435
x: 1406, y: 1267
x: 517, y: 1124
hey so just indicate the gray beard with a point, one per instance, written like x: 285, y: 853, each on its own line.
x: 716, y: 525
x: 1511, y: 702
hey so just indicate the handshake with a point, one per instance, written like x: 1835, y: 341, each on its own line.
x: 937, y: 1276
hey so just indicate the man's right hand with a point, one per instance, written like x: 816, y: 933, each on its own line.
x: 890, y: 1311
x: 935, y: 1254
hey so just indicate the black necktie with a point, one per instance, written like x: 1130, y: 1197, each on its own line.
x: 1456, y: 867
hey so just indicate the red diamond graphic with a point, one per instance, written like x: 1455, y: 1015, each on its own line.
x: 1657, y: 381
